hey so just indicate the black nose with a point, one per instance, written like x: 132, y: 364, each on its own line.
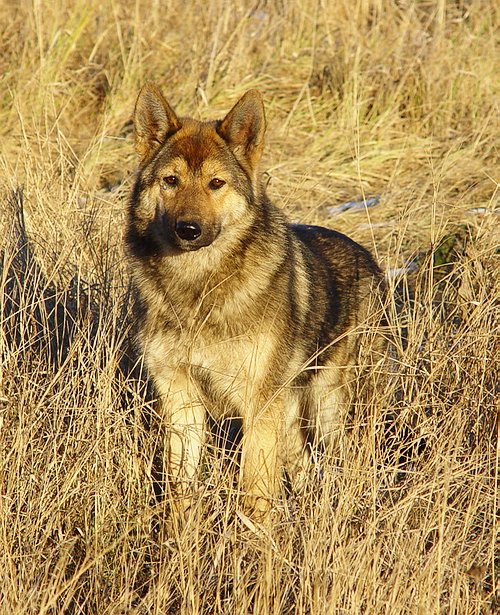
x: 188, y: 231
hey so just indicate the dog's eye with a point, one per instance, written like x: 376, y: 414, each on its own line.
x: 169, y: 181
x: 216, y: 183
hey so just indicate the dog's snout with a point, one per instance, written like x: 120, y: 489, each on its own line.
x: 187, y: 230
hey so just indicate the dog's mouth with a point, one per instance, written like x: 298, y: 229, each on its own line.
x: 192, y: 245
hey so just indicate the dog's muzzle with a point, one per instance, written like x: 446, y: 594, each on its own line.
x: 191, y: 235
x: 187, y: 231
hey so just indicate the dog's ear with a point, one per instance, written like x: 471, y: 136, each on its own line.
x: 154, y: 120
x: 244, y: 127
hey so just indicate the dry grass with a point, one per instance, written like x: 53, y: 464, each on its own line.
x: 365, y: 98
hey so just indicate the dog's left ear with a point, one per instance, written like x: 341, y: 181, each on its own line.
x: 244, y: 127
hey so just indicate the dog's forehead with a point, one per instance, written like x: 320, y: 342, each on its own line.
x: 197, y: 143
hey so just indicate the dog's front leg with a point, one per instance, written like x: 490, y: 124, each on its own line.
x: 183, y: 417
x: 260, y: 463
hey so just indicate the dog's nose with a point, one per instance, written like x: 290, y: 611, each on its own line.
x: 189, y: 231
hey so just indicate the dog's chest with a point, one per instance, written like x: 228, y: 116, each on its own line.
x: 229, y: 372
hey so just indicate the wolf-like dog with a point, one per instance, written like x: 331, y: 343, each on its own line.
x: 241, y: 313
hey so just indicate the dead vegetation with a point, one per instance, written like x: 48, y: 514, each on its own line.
x: 364, y: 99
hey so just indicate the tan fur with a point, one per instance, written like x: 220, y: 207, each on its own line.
x: 251, y: 318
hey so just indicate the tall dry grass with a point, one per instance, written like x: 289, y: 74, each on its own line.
x: 394, y: 100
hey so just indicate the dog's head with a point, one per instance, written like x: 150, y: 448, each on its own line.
x: 196, y: 179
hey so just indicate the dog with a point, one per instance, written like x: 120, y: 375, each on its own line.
x: 241, y: 313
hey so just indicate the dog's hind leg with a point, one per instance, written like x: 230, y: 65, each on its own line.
x: 295, y: 448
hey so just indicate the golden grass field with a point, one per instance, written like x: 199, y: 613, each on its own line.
x: 396, y: 100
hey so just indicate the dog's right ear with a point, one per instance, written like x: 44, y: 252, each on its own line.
x: 154, y: 120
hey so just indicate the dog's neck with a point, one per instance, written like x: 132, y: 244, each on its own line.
x: 210, y: 284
